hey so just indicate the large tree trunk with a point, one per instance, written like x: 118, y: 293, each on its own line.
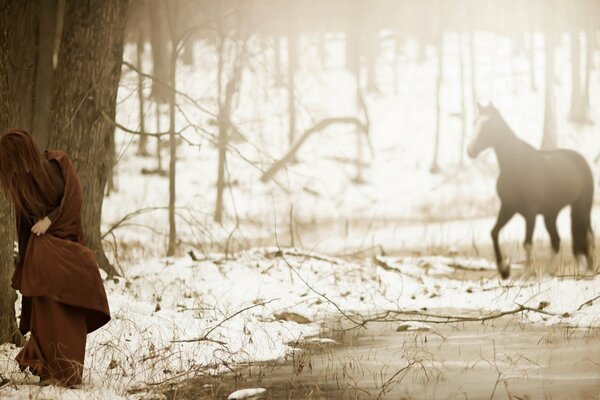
x: 8, y: 326
x: 48, y: 16
x: 87, y: 79
x: 23, y: 46
x: 32, y: 29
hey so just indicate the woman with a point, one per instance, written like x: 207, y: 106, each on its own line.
x: 63, y: 294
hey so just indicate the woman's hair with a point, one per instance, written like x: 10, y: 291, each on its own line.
x: 25, y: 174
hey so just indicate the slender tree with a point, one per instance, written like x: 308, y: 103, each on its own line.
x: 87, y: 79
x: 172, y: 245
x: 438, y: 90
x: 292, y: 66
x: 549, y: 138
x: 8, y: 326
x: 159, y: 36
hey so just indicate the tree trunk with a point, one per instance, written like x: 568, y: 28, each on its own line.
x: 292, y: 64
x: 532, y: 13
x: 8, y: 324
x: 473, y: 70
x: 532, y: 79
x: 372, y: 50
x: 160, y: 52
x: 549, y: 139
x: 463, y: 100
x: 438, y: 89
x: 172, y: 245
x: 143, y: 141
x: 575, y: 114
x: 48, y: 15
x: 87, y: 79
x: 32, y: 28
x: 23, y: 48
x: 277, y: 60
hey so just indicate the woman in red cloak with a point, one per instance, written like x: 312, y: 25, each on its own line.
x: 63, y: 298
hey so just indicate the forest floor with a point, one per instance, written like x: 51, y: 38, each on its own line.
x: 175, y: 319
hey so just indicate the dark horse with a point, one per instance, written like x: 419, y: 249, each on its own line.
x: 533, y: 182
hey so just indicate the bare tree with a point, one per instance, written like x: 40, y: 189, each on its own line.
x: 87, y: 79
x: 172, y: 246
x: 292, y: 65
x: 160, y: 51
x: 438, y: 89
x: 549, y: 138
x: 226, y: 100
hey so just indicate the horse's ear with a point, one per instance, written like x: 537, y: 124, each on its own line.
x: 479, y: 107
x: 492, y: 107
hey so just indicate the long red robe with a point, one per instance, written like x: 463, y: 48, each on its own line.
x: 63, y: 294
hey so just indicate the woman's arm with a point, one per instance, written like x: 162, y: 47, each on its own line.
x: 59, y: 186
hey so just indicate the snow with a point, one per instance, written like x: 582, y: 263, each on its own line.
x: 247, y: 394
x: 166, y: 303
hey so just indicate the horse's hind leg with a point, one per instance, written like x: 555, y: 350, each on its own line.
x: 504, y: 216
x: 583, y: 241
x: 550, y: 222
x: 528, y: 244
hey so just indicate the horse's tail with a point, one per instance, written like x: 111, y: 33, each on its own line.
x: 581, y: 208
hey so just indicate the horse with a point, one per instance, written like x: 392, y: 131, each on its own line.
x: 533, y: 182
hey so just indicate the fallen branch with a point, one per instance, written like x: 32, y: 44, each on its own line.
x: 386, y: 266
x: 205, y: 337
x: 291, y: 154
x: 588, y: 303
x: 299, y: 253
x: 448, y: 319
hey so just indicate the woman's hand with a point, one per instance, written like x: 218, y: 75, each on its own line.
x: 41, y: 226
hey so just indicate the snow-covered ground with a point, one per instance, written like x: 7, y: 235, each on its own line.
x: 178, y: 318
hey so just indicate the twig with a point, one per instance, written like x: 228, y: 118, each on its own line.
x: 588, y: 303
x: 205, y: 337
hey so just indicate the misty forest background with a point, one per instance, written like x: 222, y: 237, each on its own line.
x: 246, y: 86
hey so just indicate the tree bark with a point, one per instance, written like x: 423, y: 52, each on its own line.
x: 87, y: 79
x: 172, y: 245
x: 32, y: 28
x: 143, y: 143
x: 292, y: 65
x: 438, y: 89
x: 48, y: 16
x: 160, y: 52
x: 549, y: 139
x: 8, y: 325
x: 23, y: 46
x: 575, y: 112
x: 463, y: 100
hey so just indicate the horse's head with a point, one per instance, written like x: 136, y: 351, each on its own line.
x: 485, y: 133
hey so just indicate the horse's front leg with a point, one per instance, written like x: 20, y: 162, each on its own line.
x: 505, y: 214
x: 528, y: 244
